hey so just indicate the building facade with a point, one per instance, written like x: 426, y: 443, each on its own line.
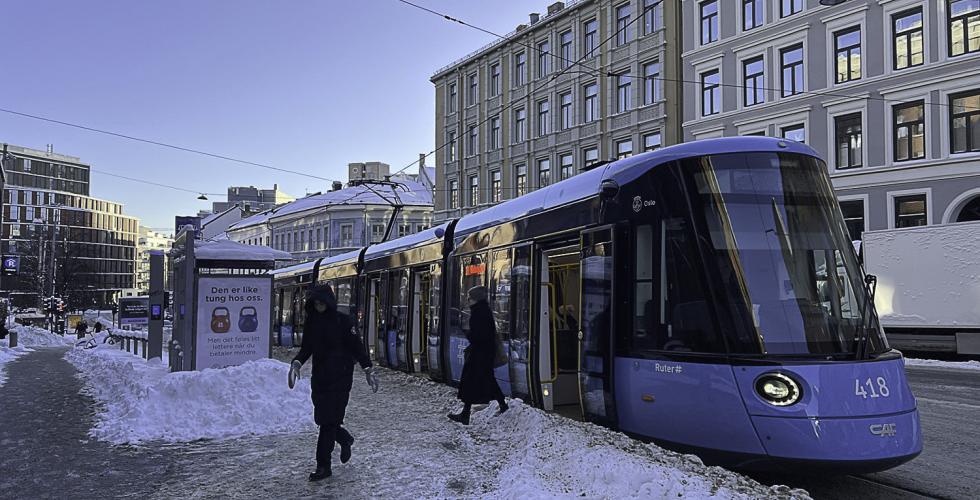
x: 69, y: 244
x: 335, y: 222
x: 576, y: 86
x: 252, y: 199
x: 149, y: 240
x: 886, y: 91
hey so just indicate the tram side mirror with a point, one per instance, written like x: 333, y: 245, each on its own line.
x: 608, y: 189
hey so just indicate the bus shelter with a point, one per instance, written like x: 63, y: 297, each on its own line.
x: 223, y: 302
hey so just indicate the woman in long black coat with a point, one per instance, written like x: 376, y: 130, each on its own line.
x: 477, y: 385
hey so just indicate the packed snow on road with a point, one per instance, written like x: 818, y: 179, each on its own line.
x: 935, y: 363
x: 405, y: 447
x: 27, y: 336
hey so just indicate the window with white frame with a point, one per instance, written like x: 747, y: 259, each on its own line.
x: 753, y: 81
x: 795, y: 132
x: 474, y: 190
x: 623, y: 15
x: 653, y: 16
x: 910, y: 210
x: 589, y: 41
x: 853, y: 211
x: 847, y: 54
x: 544, y: 118
x: 624, y: 149
x: 590, y: 156
x: 624, y: 91
x: 520, y: 125
x: 495, y: 133
x: 494, y: 80
x: 790, y: 7
x: 652, y: 84
x: 495, y: 187
x: 964, y: 135
x: 452, y: 194
x: 791, y: 62
x: 544, y: 172
x: 520, y: 69
x: 566, y: 110
x: 907, y: 39
x: 567, y: 54
x: 404, y: 230
x: 520, y: 180
x: 909, y: 131
x: 451, y: 146
x: 473, y: 90
x: 753, y: 14
x: 652, y: 141
x: 709, y: 21
x: 451, y: 98
x: 963, y: 32
x: 566, y: 165
x: 710, y: 93
x: 346, y: 235
x: 849, y: 140
x: 590, y: 104
x: 473, y: 140
x: 544, y: 58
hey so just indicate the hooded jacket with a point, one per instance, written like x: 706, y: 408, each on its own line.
x: 330, y: 339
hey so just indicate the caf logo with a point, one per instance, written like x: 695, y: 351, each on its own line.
x: 637, y: 204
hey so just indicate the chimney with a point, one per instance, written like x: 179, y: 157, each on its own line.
x: 535, y: 17
x: 555, y: 7
x: 337, y: 186
x: 421, y: 160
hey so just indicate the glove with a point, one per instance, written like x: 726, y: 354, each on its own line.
x: 372, y: 379
x: 294, y: 373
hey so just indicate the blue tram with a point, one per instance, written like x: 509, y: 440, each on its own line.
x: 704, y: 296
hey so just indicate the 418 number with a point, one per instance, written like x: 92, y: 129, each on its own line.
x: 875, y: 388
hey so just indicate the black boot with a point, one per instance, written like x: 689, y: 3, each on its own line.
x: 462, y: 417
x: 320, y: 473
x: 345, y: 451
x: 502, y: 406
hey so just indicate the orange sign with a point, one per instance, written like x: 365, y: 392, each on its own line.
x: 474, y: 269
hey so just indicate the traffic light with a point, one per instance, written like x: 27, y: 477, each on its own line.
x: 60, y: 304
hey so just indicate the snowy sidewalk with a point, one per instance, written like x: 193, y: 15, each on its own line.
x: 405, y: 448
x: 45, y: 450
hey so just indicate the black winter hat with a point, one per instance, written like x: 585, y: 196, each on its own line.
x: 324, y: 294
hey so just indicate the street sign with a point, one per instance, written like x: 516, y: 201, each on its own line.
x: 11, y: 265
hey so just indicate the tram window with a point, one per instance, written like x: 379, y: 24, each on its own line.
x: 472, y: 273
x: 342, y: 289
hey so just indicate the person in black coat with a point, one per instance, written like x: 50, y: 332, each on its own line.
x: 477, y: 384
x: 330, y: 339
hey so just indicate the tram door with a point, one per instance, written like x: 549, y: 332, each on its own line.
x: 596, y: 318
x: 558, y: 324
x: 373, y: 318
x: 422, y: 284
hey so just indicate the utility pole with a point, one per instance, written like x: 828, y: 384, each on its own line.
x: 12, y: 342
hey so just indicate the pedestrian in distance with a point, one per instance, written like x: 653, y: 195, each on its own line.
x: 81, y: 329
x: 477, y: 384
x: 330, y: 339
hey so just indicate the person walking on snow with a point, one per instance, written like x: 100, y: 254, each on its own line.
x: 329, y: 337
x: 477, y: 384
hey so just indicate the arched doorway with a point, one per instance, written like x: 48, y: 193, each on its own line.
x: 970, y: 211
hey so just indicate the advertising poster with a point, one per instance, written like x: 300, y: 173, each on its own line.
x: 233, y: 320
x: 134, y: 311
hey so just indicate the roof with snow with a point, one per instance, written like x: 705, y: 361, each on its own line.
x: 259, y: 218
x: 227, y: 250
x: 409, y: 193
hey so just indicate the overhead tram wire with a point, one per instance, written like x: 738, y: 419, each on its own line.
x: 551, y: 81
x: 153, y: 183
x: 604, y: 71
x: 165, y: 145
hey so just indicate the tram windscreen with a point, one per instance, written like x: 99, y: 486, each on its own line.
x: 783, y: 254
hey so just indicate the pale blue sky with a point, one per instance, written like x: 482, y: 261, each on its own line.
x: 306, y: 85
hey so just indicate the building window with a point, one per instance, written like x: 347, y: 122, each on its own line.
x: 589, y: 41
x: 473, y: 91
x: 544, y: 172
x: 964, y: 122
x: 754, y: 81
x: 910, y: 131
x: 624, y: 94
x: 566, y: 110
x: 495, y: 194
x: 653, y: 16
x: 847, y: 53
x: 451, y: 98
x: 964, y: 26
x: 709, y: 21
x: 473, y: 140
x: 623, y: 15
x: 849, y: 141
x: 790, y: 7
x: 495, y: 80
x: 624, y: 149
x: 520, y: 69
x: 566, y: 164
x: 520, y: 125
x: 404, y: 230
x: 451, y: 147
x: 474, y: 190
x: 346, y: 235
x: 907, y: 39
x: 590, y: 156
x: 910, y: 211
x: 753, y: 14
x: 544, y: 118
x: 495, y: 133
x: 520, y: 180
x: 566, y: 49
x: 652, y: 142
x: 652, y: 84
x: 710, y: 93
x: 792, y: 65
x: 544, y: 58
x: 453, y: 194
x: 591, y: 102
x: 794, y: 132
x: 853, y: 211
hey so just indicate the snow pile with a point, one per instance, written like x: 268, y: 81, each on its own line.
x: 142, y: 401
x: 935, y: 363
x: 32, y: 336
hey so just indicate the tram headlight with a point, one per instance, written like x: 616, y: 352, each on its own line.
x: 778, y: 389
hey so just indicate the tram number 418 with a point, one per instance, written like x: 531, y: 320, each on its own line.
x: 875, y: 388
